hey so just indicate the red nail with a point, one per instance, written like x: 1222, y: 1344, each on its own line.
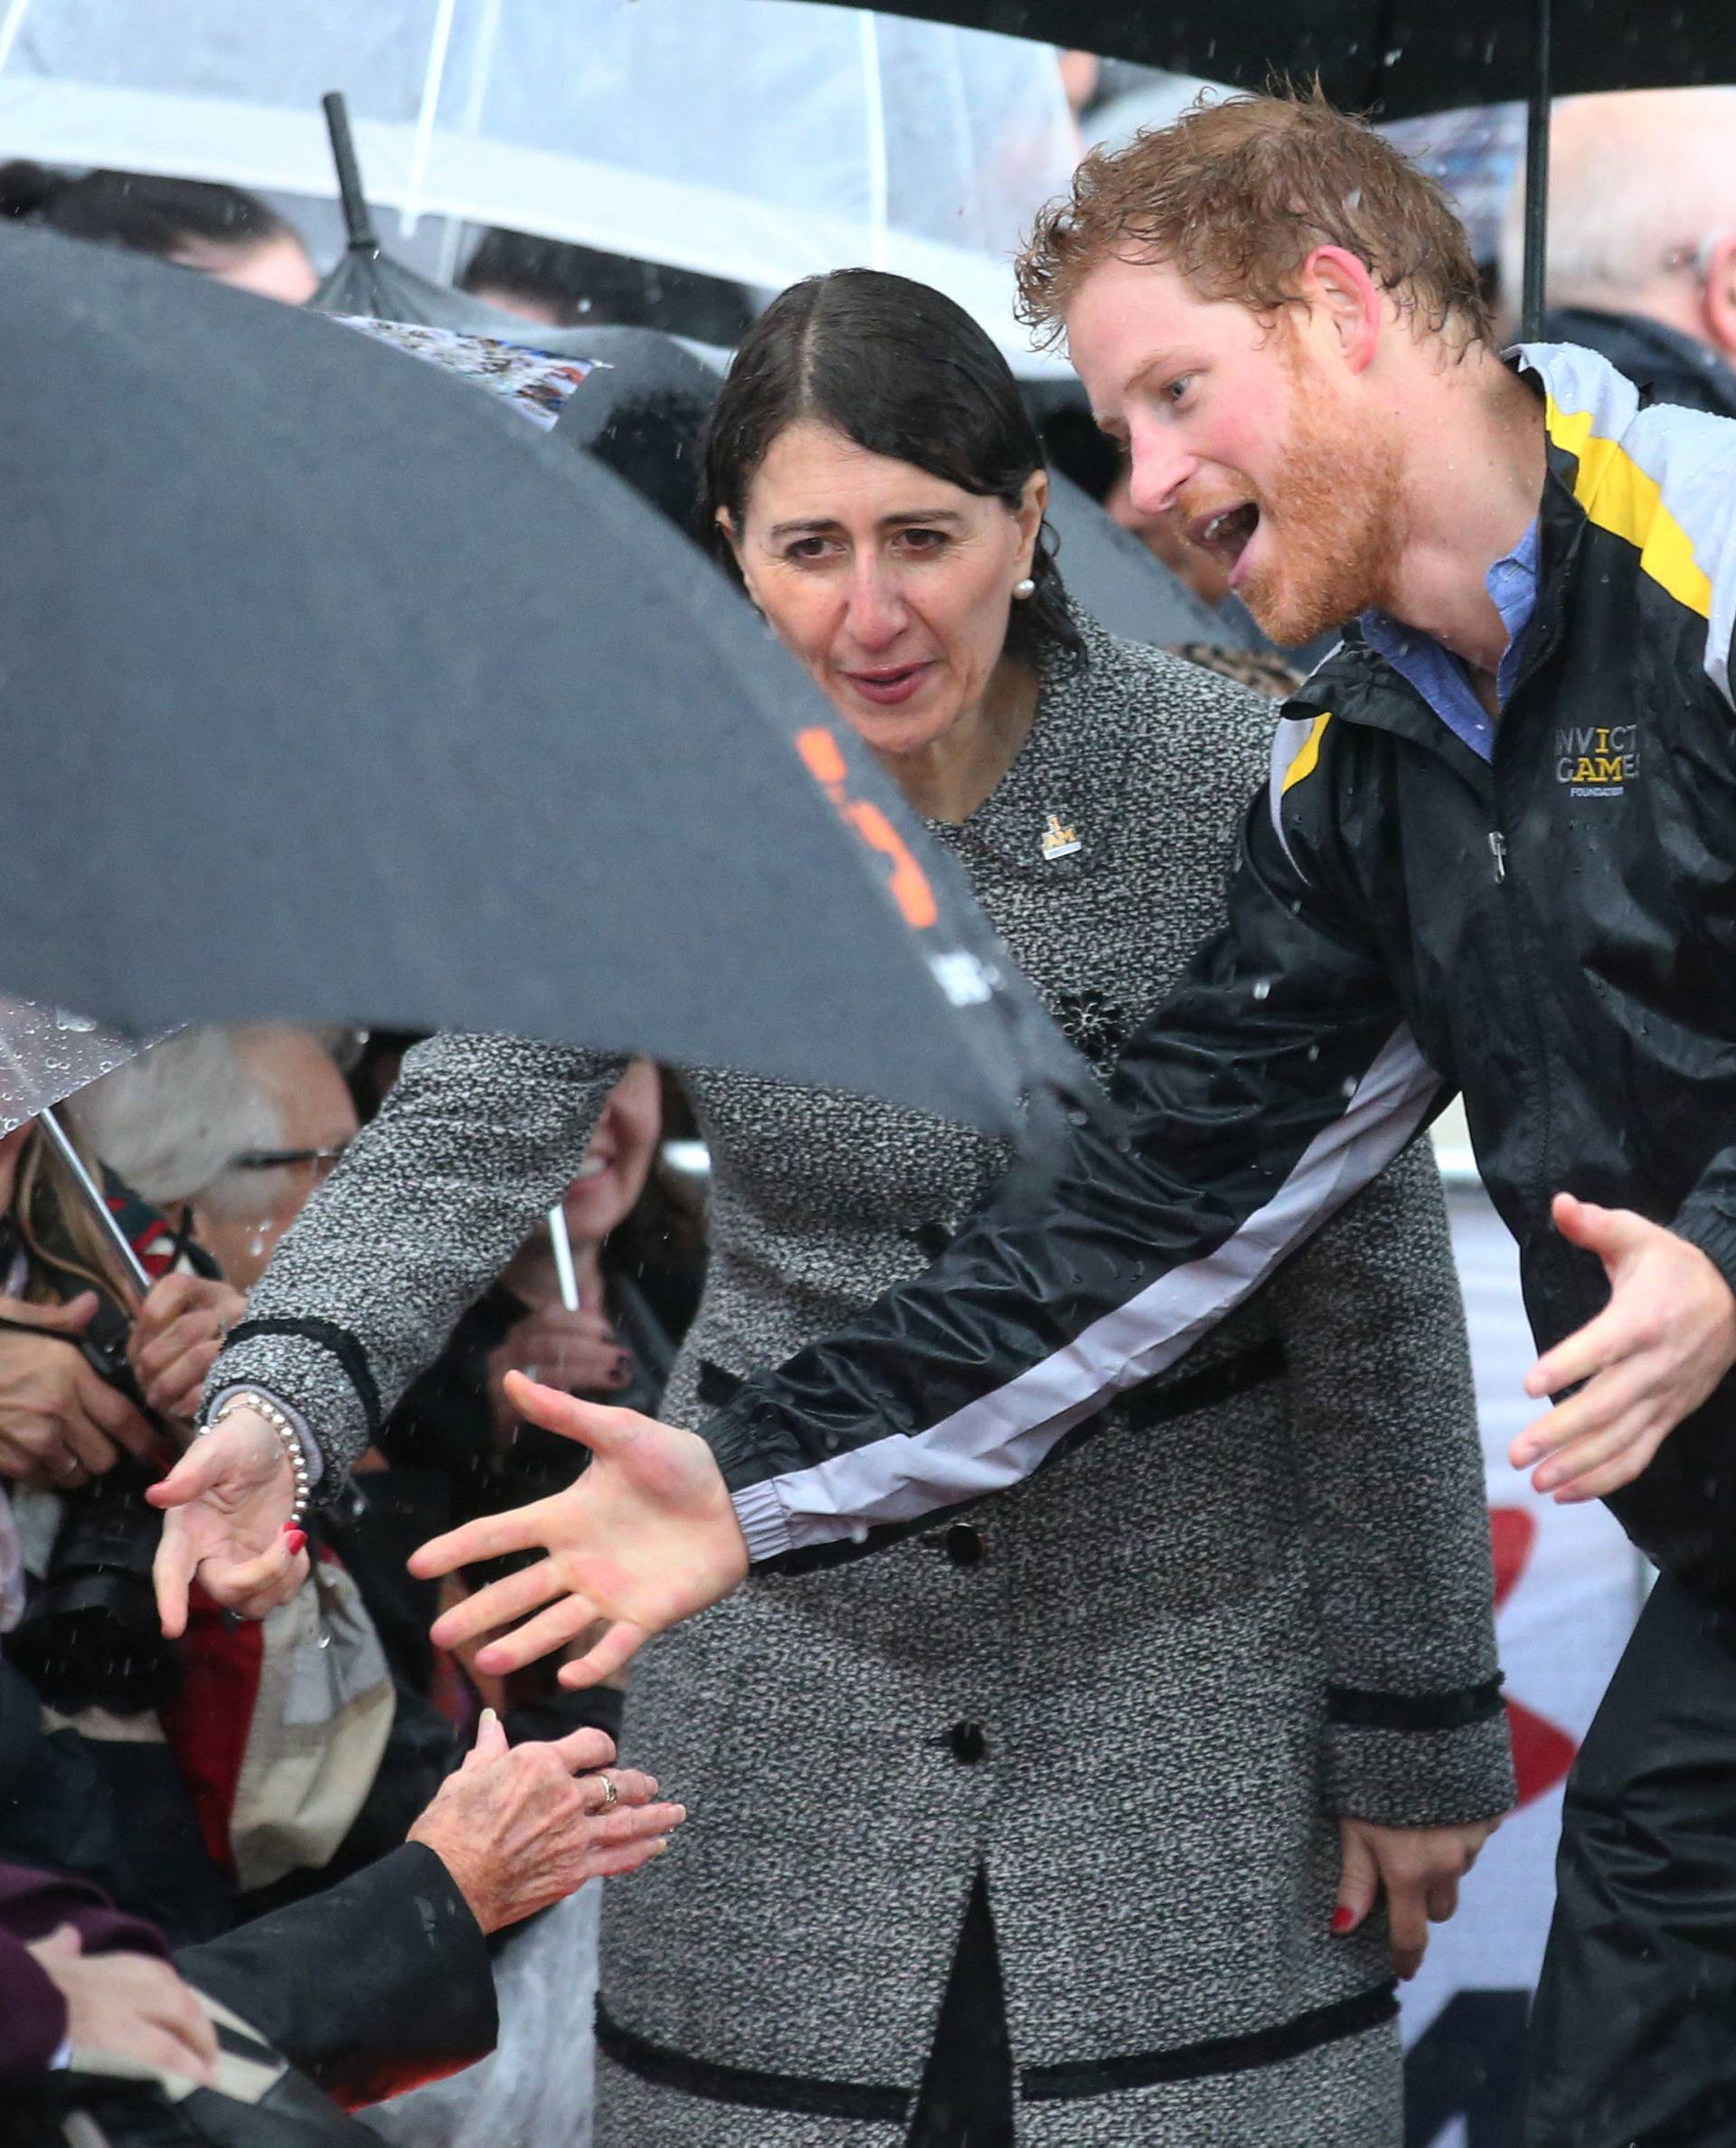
x: 1341, y: 1920
x: 297, y: 1541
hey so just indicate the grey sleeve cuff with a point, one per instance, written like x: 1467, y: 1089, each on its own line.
x: 763, y: 1521
x: 1420, y: 1778
x: 309, y: 1386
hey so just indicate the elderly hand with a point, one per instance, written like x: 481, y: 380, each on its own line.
x: 61, y: 1421
x: 646, y: 1537
x: 130, y: 2006
x: 1651, y: 1357
x: 1418, y: 1868
x: 177, y: 1334
x: 519, y: 1828
x: 227, y: 1503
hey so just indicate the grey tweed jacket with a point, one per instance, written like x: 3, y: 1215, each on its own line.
x: 1136, y: 1691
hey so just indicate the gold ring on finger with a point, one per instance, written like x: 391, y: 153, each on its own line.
x: 611, y: 1794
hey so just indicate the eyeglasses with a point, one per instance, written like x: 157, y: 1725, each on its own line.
x: 1697, y: 256
x: 280, y: 1160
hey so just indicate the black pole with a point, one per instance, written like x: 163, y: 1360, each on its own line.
x: 1531, y: 317
x: 362, y: 237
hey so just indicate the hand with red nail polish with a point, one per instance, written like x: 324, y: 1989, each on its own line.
x: 1417, y: 1869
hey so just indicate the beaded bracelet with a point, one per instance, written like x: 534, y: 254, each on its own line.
x: 247, y: 1398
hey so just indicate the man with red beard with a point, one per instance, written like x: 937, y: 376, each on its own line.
x: 1497, y: 853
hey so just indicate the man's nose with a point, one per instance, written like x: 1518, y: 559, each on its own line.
x: 877, y: 613
x: 1159, y: 470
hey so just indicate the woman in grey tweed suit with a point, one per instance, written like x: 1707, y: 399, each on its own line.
x: 1104, y: 1792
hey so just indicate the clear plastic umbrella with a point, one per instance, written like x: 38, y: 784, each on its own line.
x: 758, y: 140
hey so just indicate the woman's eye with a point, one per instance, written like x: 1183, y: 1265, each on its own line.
x: 805, y: 548
x: 919, y: 539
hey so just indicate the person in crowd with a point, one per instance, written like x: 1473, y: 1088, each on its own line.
x: 1493, y: 856
x: 1269, y: 1663
x: 510, y: 1832
x: 223, y: 231
x: 565, y: 286
x: 231, y: 1129
x: 1641, y: 260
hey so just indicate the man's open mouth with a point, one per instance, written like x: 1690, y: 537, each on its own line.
x: 1226, y: 534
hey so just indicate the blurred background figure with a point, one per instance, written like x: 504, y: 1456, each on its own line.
x: 235, y: 1127
x: 570, y: 286
x: 223, y: 231
x: 1642, y: 239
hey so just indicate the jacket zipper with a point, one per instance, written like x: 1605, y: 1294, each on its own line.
x: 1534, y: 1021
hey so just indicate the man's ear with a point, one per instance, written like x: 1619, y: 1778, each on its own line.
x: 1345, y: 302
x: 1718, y: 300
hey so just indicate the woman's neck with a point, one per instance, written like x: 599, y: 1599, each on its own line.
x: 949, y: 779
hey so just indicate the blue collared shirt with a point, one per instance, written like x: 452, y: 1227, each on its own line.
x: 1439, y: 676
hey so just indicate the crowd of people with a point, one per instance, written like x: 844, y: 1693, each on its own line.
x: 1073, y: 1625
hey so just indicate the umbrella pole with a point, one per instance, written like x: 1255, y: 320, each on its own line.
x: 1531, y: 316
x: 100, y: 1212
x: 362, y: 237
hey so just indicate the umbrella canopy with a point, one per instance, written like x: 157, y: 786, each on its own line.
x: 757, y: 140
x: 1400, y: 56
x: 331, y: 692
x: 47, y: 1054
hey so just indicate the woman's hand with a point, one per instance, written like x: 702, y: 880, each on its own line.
x: 228, y: 1503
x: 61, y: 1421
x: 577, y: 1351
x: 647, y: 1536
x: 1418, y: 1868
x: 177, y: 1334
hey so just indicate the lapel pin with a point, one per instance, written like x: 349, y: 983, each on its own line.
x: 1057, y: 841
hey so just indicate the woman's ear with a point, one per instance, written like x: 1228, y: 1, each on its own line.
x: 1034, y: 504
x: 732, y: 538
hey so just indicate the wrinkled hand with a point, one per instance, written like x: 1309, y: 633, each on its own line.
x: 61, y: 1421
x: 646, y: 1537
x: 523, y: 1827
x: 227, y: 1503
x: 177, y: 1334
x: 1652, y: 1356
x: 1418, y: 1868
x: 130, y: 2006
x: 576, y: 1351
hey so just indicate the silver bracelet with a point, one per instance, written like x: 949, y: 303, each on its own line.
x: 247, y: 1398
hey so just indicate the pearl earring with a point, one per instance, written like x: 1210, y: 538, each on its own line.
x: 1027, y: 588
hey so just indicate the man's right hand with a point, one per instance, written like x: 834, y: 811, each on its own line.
x: 61, y: 1421
x: 228, y: 1503
x: 129, y: 2006
x: 646, y: 1537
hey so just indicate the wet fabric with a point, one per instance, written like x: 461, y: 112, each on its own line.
x: 1644, y: 1939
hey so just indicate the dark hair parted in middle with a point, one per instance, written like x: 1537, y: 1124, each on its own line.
x: 903, y: 371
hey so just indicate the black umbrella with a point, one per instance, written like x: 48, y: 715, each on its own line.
x: 330, y: 691
x: 1397, y: 57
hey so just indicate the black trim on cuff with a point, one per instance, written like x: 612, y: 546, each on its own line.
x: 343, y: 1345
x: 668, y: 2068
x: 1214, y: 2054
x: 1415, y: 1711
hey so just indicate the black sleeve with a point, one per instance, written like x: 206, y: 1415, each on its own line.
x: 1275, y: 1082
x: 381, y: 1980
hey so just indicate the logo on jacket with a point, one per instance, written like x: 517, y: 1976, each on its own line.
x: 1059, y: 839
x: 1598, y: 759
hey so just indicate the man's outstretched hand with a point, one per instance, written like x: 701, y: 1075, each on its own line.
x: 1652, y: 1356
x: 646, y: 1537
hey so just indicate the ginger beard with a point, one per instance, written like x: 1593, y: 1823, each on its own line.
x: 1331, y: 517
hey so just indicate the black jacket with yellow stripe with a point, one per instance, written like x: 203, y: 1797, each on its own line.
x: 1552, y: 932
